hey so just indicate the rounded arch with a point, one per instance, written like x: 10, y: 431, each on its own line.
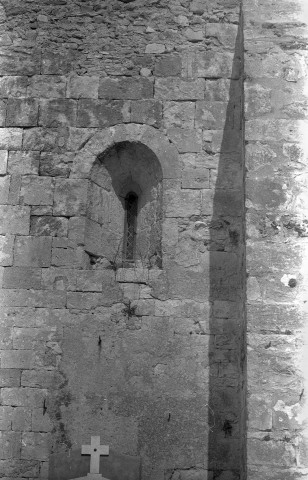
x: 104, y: 139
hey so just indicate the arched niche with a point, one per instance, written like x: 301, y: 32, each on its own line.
x: 126, y: 234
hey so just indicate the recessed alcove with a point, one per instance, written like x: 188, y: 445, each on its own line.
x: 129, y: 235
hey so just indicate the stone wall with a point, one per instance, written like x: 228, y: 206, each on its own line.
x: 151, y: 355
x: 276, y: 189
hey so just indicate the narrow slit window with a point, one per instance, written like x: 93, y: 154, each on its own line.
x: 131, y: 211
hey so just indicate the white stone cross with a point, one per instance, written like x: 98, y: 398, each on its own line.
x: 95, y: 450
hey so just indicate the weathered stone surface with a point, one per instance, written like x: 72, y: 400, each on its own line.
x: 194, y: 174
x: 22, y: 112
x: 45, y: 139
x: 25, y: 163
x: 5, y: 190
x: 47, y: 86
x: 23, y: 63
x: 55, y: 165
x: 125, y: 88
x: 37, y: 190
x: 216, y: 65
x: 168, y: 65
x: 3, y: 162
x: 83, y: 86
x: 48, y: 225
x: 17, y: 358
x: 177, y: 89
x: 10, y: 138
x: 10, y: 378
x: 57, y: 112
x: 13, y: 86
x: 100, y: 113
x: 14, y: 219
x: 70, y: 197
x: 179, y: 114
x: 32, y: 251
x: 146, y: 111
x: 34, y: 446
x: 183, y: 203
x: 215, y: 115
x: 22, y: 277
x: 6, y: 250
x: 225, y: 33
x: 186, y: 140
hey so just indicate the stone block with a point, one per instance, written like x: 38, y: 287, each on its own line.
x: 176, y: 89
x: 179, y: 114
x: 257, y: 101
x: 93, y: 239
x: 32, y: 298
x: 146, y: 111
x: 110, y: 294
x: 213, y: 64
x: 125, y: 88
x: 9, y: 378
x: 265, y: 450
x: 22, y: 277
x: 56, y: 165
x: 45, y: 139
x: 29, y: 338
x: 77, y: 229
x: 9, y: 445
x: 168, y: 65
x: 83, y: 86
x: 24, y: 163
x: 13, y: 86
x: 70, y: 197
x: 10, y: 138
x: 12, y: 467
x: 14, y: 219
x: 21, y: 419
x: 36, y: 190
x: 182, y: 203
x: 92, y: 280
x: 186, y: 140
x: 3, y: 162
x: 224, y: 141
x: 57, y: 112
x: 17, y: 359
x: 47, y: 86
x: 32, y: 251
x: 6, y: 418
x: 5, y: 190
x: 222, y: 90
x: 6, y: 250
x: 63, y: 257
x: 15, y: 186
x: 39, y: 378
x: 223, y: 202
x: 3, y: 113
x: 49, y: 226
x: 22, y: 112
x: 40, y: 421
x: 59, y: 279
x: 57, y: 63
x: 225, y: 33
x: 34, y: 446
x: 276, y: 130
x: 215, y: 115
x: 194, y: 34
x: 155, y: 48
x: 78, y: 137
x: 194, y: 174
x: 19, y: 63
x: 100, y: 113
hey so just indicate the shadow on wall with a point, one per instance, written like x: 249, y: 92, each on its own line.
x: 227, y: 437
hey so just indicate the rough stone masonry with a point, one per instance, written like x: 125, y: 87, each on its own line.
x: 153, y: 170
